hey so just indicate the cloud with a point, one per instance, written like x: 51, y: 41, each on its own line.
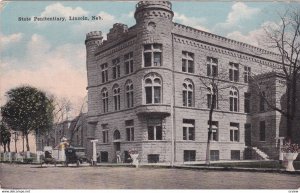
x: 190, y: 21
x: 103, y: 25
x: 9, y: 39
x: 57, y: 9
x: 256, y: 37
x: 57, y: 70
x: 239, y: 12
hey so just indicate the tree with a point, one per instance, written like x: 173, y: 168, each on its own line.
x: 214, y: 84
x: 5, y: 136
x: 28, y: 110
x: 284, y: 38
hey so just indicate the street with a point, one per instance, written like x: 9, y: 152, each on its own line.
x: 34, y: 177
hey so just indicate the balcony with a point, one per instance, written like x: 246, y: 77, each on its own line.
x: 154, y: 109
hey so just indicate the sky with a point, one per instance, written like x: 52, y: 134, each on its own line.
x: 51, y: 55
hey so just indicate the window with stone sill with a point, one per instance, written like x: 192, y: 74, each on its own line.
x: 189, y: 155
x: 104, y: 72
x: 234, y: 132
x: 212, y: 66
x: 212, y: 98
x: 233, y: 100
x: 154, y: 129
x: 153, y: 89
x: 116, y: 95
x: 233, y: 72
x: 188, y: 128
x: 105, y: 136
x: 215, y: 131
x: 104, y: 133
x: 129, y: 124
x: 187, y: 93
x: 152, y: 55
x: 104, y: 94
x: 116, y: 68
x: 128, y: 61
x: 129, y: 93
x: 247, y: 74
x: 214, y: 155
x: 187, y: 62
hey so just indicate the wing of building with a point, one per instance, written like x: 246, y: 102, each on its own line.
x: 146, y: 92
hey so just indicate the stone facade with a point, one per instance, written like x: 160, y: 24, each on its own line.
x: 74, y: 130
x: 166, y: 117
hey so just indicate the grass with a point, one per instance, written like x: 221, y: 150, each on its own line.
x: 257, y: 164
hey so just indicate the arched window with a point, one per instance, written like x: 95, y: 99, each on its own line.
x: 116, y: 95
x: 212, y: 97
x: 129, y: 93
x: 153, y: 89
x: 233, y: 99
x: 117, y: 135
x: 187, y: 93
x: 104, y: 94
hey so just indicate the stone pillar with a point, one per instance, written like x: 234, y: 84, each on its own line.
x: 38, y: 156
x: 27, y: 154
x: 280, y: 140
x: 94, y: 151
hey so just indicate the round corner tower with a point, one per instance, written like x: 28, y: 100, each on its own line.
x: 93, y: 40
x: 154, y: 16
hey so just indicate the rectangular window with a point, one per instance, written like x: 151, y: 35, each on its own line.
x: 117, y: 103
x: 105, y: 136
x: 214, y: 130
x: 214, y: 155
x: 152, y: 55
x: 116, y: 68
x: 153, y: 158
x: 233, y: 104
x: 235, y: 155
x: 156, y: 94
x: 212, y: 66
x: 247, y: 73
x: 211, y: 100
x: 262, y: 131
x: 234, y: 132
x: 157, y: 59
x: 148, y: 59
x: 154, y: 129
x: 148, y: 95
x: 187, y: 62
x: 233, y: 72
x: 262, y: 102
x: 189, y: 155
x: 150, y: 132
x: 104, y: 73
x: 188, y: 129
x: 128, y: 60
x: 129, y: 124
x: 184, y: 97
x: 247, y: 102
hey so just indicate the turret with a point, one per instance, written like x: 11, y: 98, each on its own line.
x: 153, y: 9
x: 93, y: 38
x: 92, y: 41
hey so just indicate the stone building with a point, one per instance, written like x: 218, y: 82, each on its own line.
x: 146, y: 92
x: 75, y: 130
